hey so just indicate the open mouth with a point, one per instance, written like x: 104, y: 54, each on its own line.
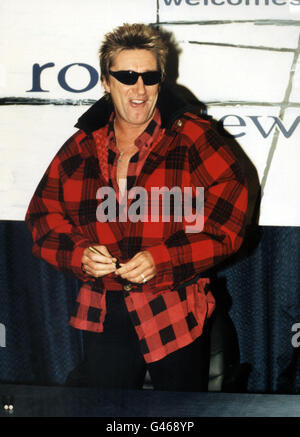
x: 137, y: 103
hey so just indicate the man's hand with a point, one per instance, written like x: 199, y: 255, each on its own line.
x: 139, y: 269
x: 98, y: 264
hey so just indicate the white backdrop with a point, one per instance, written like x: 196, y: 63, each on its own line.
x: 240, y: 57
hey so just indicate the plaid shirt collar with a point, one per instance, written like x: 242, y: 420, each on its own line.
x: 107, y: 150
x: 145, y: 139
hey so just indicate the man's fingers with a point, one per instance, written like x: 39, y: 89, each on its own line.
x: 139, y: 269
x: 98, y: 254
x: 96, y: 265
x: 139, y: 259
x: 100, y: 270
x: 127, y: 267
x: 97, y: 261
x: 140, y: 275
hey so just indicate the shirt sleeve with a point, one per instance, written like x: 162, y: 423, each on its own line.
x: 55, y: 238
x: 183, y: 254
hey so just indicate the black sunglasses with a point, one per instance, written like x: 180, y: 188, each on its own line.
x: 129, y: 77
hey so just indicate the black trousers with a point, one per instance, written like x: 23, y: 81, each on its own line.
x: 113, y: 358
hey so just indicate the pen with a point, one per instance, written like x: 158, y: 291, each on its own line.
x: 93, y: 249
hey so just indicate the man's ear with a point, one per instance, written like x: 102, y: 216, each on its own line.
x: 105, y: 84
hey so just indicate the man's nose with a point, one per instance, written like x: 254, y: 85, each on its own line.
x: 140, y: 86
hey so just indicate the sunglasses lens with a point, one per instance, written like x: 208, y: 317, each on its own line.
x: 131, y: 77
x: 127, y: 77
x: 151, y: 77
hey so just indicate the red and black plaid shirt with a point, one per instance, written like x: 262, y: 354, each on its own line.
x: 166, y: 314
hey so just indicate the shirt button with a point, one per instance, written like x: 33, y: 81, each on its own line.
x: 127, y: 287
x: 179, y: 123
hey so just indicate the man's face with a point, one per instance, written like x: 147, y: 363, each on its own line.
x: 134, y: 104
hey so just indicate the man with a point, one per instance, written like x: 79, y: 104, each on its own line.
x: 145, y: 298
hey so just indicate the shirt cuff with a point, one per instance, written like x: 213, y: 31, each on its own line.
x: 77, y: 263
x: 164, y: 272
